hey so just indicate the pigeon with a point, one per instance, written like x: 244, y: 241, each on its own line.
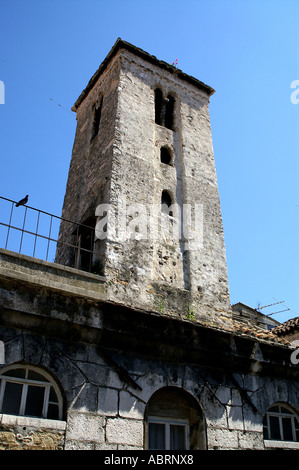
x: 22, y: 201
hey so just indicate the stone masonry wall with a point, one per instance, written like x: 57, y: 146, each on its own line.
x: 21, y: 433
x: 138, y: 176
x: 144, y: 267
x: 104, y: 411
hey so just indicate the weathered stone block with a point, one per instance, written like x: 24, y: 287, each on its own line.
x: 235, y: 417
x: 130, y: 407
x: 222, y: 439
x: 251, y: 440
x: 85, y: 427
x: 124, y: 431
x: 107, y: 401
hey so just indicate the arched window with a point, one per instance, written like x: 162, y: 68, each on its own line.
x: 85, y: 244
x: 169, y: 109
x: 165, y: 155
x: 174, y: 421
x: 166, y: 202
x: 158, y: 106
x: 29, y: 391
x: 166, y: 198
x: 164, y: 109
x: 281, y: 424
x: 97, y: 111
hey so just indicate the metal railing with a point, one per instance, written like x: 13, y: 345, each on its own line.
x: 33, y: 232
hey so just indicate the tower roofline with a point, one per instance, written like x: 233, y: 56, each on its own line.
x: 120, y: 44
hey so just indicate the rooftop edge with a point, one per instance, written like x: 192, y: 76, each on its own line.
x: 121, y: 44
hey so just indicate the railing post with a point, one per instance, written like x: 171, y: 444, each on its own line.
x: 36, y: 234
x: 21, y: 242
x: 9, y: 224
x: 49, y: 238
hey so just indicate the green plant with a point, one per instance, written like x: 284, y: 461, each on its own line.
x: 97, y: 267
x: 160, y: 305
x: 191, y: 313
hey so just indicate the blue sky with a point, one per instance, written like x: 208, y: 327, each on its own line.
x: 247, y: 50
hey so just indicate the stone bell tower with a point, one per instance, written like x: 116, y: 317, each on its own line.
x: 143, y: 177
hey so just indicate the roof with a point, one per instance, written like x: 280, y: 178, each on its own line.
x: 259, y: 334
x: 287, y: 327
x: 242, y: 312
x: 120, y: 44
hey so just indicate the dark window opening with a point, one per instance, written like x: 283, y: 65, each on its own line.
x: 164, y: 109
x: 156, y: 436
x: 169, y: 108
x: 35, y: 401
x: 166, y: 198
x: 166, y: 202
x: 85, y: 244
x: 165, y: 155
x: 96, y: 119
x: 158, y: 106
x: 167, y: 434
x: 12, y: 398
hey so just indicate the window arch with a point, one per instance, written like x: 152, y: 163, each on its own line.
x: 85, y: 234
x: 280, y: 423
x: 27, y: 390
x: 174, y: 421
x: 164, y: 109
x: 158, y: 106
x: 97, y: 112
x: 166, y: 198
x: 169, y: 110
x: 166, y: 203
x: 165, y: 155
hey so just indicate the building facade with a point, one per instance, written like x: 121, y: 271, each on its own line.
x: 128, y: 340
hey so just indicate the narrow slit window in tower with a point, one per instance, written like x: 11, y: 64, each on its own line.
x: 165, y: 156
x: 169, y: 109
x: 85, y: 242
x: 166, y: 202
x: 158, y: 106
x: 96, y: 119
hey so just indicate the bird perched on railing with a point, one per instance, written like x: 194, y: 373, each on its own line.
x: 22, y: 201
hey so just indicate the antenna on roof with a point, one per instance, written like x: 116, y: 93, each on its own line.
x: 271, y: 305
